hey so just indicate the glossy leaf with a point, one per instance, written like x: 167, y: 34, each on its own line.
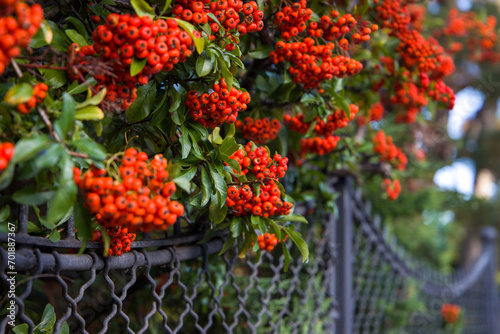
x: 142, y: 106
x: 142, y: 8
x: 137, y: 65
x: 19, y: 93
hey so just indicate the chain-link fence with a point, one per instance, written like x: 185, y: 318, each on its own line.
x: 354, y: 277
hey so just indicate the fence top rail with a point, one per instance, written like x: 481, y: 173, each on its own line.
x: 433, y: 282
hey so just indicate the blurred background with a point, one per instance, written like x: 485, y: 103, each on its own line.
x: 455, y: 191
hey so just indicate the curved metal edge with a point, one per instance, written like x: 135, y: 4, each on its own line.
x: 27, y: 261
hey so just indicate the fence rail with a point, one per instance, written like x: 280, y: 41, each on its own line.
x: 356, y: 274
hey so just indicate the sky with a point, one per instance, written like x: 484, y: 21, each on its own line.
x: 459, y: 176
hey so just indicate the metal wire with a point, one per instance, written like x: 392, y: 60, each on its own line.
x: 355, y: 274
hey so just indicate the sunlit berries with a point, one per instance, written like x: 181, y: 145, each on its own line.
x: 267, y: 241
x: 139, y: 199
x: 218, y: 107
x: 389, y: 152
x: 392, y: 188
x: 256, y: 163
x: 18, y: 24
x: 6, y: 154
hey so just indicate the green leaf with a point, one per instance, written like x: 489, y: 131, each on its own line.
x: 142, y: 106
x: 80, y: 27
x: 64, y: 123
x: 185, y: 142
x: 216, y: 214
x: 47, y: 32
x: 65, y: 196
x: 299, y: 242
x: 28, y: 148
x: 64, y: 328
x: 142, y: 8
x: 167, y: 4
x: 226, y: 74
x: 203, y: 66
x: 342, y: 103
x: 215, y: 136
x: 261, y: 52
x: 292, y: 218
x: 286, y: 253
x: 93, y: 101
x: 21, y: 329
x: 90, y: 113
x: 4, y: 213
x: 228, y: 147
x: 75, y: 37
x: 6, y: 176
x: 19, y: 93
x: 83, y: 221
x: 231, y: 131
x: 88, y: 146
x: 206, y: 186
x: 137, y: 65
x: 220, y: 185
x: 55, y: 78
x: 106, y: 240
x: 227, y: 244
x: 76, y: 88
x: 46, y: 325
x: 236, y: 226
x: 176, y: 101
x: 199, y: 42
x: 54, y: 236
x: 28, y: 196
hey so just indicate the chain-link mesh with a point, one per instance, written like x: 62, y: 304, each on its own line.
x: 174, y: 285
x: 393, y: 292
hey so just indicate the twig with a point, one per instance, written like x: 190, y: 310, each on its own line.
x: 58, y: 68
x: 16, y: 68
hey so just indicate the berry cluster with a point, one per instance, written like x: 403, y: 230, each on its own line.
x: 337, y: 120
x: 312, y: 63
x: 267, y: 241
x: 259, y: 131
x: 392, y: 188
x: 389, y: 152
x: 292, y: 19
x: 121, y: 239
x: 450, y: 313
x: 140, y: 202
x: 480, y: 36
x: 18, y: 24
x: 376, y: 112
x: 220, y: 106
x: 318, y: 145
x: 6, y: 154
x: 227, y: 13
x: 243, y: 199
x: 39, y: 92
x: 162, y: 43
x: 334, y: 27
x: 421, y: 56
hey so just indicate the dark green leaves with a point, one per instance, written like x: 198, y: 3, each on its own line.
x: 28, y: 148
x: 65, y: 195
x: 203, y: 66
x: 82, y: 221
x: 142, y: 106
x: 65, y: 122
x: 91, y: 148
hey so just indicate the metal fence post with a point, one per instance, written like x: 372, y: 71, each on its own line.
x: 489, y: 239
x: 344, y: 240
